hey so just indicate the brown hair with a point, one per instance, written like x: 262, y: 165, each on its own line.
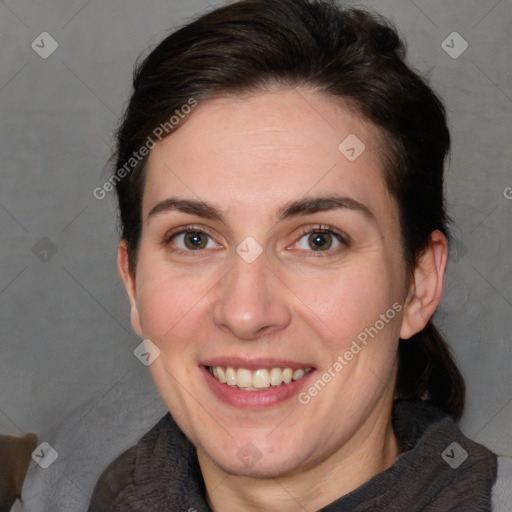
x: 346, y: 53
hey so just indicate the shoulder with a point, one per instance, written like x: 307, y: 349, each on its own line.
x: 459, y: 473
x: 116, y: 477
x: 121, y: 474
x: 502, y: 489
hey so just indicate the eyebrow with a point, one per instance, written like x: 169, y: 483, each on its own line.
x: 310, y: 205
x: 299, y: 207
x: 190, y: 206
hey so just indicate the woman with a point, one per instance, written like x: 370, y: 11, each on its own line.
x: 284, y: 242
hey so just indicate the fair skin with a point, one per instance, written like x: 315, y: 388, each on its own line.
x: 299, y: 304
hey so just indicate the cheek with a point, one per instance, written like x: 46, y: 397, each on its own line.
x: 350, y: 298
x: 163, y: 301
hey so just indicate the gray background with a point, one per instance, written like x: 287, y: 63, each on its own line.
x: 67, y: 369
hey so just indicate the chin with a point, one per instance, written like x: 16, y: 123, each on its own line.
x: 257, y: 465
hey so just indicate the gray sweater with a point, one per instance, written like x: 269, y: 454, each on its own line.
x: 438, y: 470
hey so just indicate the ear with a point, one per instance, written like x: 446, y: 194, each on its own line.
x: 128, y: 278
x: 426, y: 287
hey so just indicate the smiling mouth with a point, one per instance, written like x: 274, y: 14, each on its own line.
x: 261, y: 379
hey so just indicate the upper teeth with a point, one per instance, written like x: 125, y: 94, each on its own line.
x: 258, y: 379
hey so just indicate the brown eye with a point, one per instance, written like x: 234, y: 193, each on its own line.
x: 320, y: 241
x: 195, y: 240
x: 192, y: 241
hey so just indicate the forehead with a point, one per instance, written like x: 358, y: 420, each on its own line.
x: 262, y: 150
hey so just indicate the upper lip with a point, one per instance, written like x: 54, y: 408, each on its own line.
x: 254, y: 363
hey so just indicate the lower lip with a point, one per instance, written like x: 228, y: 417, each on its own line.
x: 254, y: 399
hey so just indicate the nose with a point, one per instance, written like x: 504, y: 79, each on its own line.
x: 252, y: 300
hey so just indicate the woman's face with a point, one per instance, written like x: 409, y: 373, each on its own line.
x: 270, y: 251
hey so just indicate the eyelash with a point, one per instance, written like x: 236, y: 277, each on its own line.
x: 182, y: 230
x: 319, y: 228
x: 324, y: 228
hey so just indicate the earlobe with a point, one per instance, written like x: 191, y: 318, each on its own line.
x: 426, y: 287
x: 128, y: 278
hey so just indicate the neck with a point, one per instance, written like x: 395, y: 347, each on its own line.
x: 371, y: 450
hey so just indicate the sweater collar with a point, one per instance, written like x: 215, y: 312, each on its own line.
x: 167, y: 475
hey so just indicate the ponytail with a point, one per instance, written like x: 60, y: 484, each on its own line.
x: 427, y: 370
